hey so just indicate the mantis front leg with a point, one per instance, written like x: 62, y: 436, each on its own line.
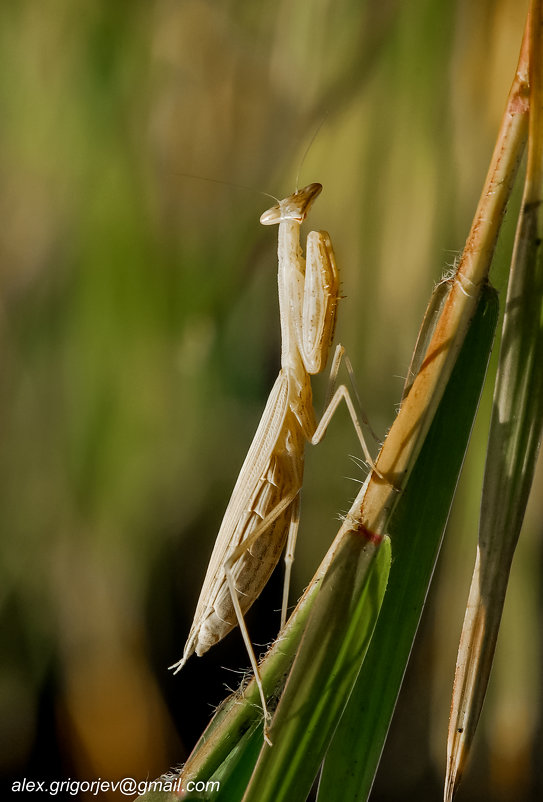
x: 315, y: 331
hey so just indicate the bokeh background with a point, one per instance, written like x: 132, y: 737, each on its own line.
x: 139, y: 340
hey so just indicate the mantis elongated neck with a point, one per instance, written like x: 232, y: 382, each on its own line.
x: 290, y: 280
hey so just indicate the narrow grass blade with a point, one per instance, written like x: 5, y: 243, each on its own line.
x: 234, y: 773
x: 324, y: 671
x: 515, y: 434
x: 416, y: 530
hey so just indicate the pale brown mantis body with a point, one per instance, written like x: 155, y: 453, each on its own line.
x: 263, y: 513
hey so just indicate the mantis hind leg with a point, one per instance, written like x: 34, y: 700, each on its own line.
x: 290, y: 500
x: 289, y: 555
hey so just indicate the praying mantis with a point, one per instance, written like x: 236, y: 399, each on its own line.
x: 263, y: 514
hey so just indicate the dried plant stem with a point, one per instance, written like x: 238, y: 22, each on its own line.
x: 407, y: 434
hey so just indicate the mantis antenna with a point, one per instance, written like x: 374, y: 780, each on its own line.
x: 309, y: 146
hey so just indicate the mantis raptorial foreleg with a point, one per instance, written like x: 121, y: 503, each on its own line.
x: 263, y: 513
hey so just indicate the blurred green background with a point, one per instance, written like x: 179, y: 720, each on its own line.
x: 139, y: 340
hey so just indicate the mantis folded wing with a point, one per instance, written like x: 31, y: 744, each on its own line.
x: 263, y: 513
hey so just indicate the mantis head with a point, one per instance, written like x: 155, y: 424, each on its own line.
x: 295, y: 207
